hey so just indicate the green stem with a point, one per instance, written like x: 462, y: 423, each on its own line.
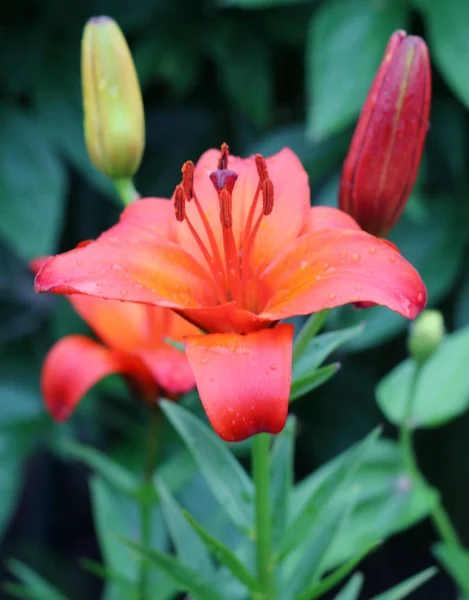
x: 151, y: 458
x: 261, y: 475
x: 439, y: 517
x: 309, y: 330
x: 126, y: 191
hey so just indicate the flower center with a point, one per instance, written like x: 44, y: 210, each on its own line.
x: 230, y: 271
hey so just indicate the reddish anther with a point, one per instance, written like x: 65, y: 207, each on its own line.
x: 179, y: 203
x: 188, y: 179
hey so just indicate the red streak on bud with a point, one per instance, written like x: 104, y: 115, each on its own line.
x: 382, y: 164
x: 226, y: 217
x: 179, y: 203
x: 188, y: 179
x: 267, y: 196
x: 223, y: 179
x: 223, y: 160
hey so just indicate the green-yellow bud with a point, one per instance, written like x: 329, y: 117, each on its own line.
x: 112, y: 100
x: 426, y: 334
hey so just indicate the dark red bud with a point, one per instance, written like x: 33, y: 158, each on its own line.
x: 384, y: 156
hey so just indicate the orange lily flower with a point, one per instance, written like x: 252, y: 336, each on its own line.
x: 133, y: 344
x: 239, y: 249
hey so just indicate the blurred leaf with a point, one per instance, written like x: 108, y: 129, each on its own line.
x: 461, y: 309
x: 322, y: 346
x: 244, y: 69
x: 388, y: 501
x: 455, y: 561
x: 442, y: 389
x: 36, y: 588
x: 334, y: 578
x: 32, y: 186
x: 117, y: 516
x: 184, y: 577
x: 435, y: 248
x: 310, y: 558
x: 225, y: 476
x: 404, y: 589
x: 99, y: 462
x: 351, y: 589
x: 10, y: 480
x: 225, y: 556
x: 320, y: 490
x: 189, y: 549
x: 447, y: 23
x: 337, y: 75
x: 282, y: 475
x: 261, y: 3
x: 21, y: 404
x: 307, y: 383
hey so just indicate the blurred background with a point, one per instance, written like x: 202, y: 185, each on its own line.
x: 260, y: 75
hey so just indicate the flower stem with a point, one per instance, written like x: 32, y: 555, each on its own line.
x: 151, y: 457
x: 261, y: 475
x: 126, y: 190
x: 439, y: 517
x: 309, y: 330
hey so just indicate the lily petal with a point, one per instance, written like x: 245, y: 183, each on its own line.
x: 243, y: 380
x: 74, y: 365
x: 131, y: 262
x: 334, y: 267
x: 169, y: 367
x: 328, y: 217
x: 290, y: 211
x: 225, y: 318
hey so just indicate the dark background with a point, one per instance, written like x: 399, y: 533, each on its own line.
x: 258, y: 74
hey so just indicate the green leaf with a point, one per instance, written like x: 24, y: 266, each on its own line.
x: 32, y: 187
x: 256, y: 4
x: 36, y: 587
x: 388, y: 501
x: 245, y: 70
x: 189, y: 549
x: 314, y: 379
x: 326, y: 486
x: 402, y: 590
x: 455, y: 561
x: 320, y: 347
x: 447, y: 28
x: 337, y: 75
x: 225, y: 556
x: 116, y: 516
x: 185, y: 578
x: 442, y: 389
x: 282, y: 475
x: 112, y: 471
x: 352, y: 589
x: 225, y: 476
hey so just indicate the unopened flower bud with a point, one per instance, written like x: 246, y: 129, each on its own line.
x: 426, y: 335
x: 112, y: 100
x: 384, y: 156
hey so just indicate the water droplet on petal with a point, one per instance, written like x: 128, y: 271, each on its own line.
x: 358, y: 287
x: 354, y: 298
x: 392, y: 259
x: 123, y: 292
x: 332, y: 296
x: 355, y: 257
x: 303, y: 264
x: 117, y: 267
x: 203, y: 361
x: 274, y: 367
x: 211, y: 379
x: 372, y: 250
x: 420, y: 297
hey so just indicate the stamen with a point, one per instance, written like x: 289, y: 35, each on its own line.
x: 188, y: 179
x: 261, y: 167
x: 179, y: 203
x: 226, y: 216
x: 267, y: 196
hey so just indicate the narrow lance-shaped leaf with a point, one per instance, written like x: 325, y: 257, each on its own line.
x: 352, y: 589
x: 282, y: 477
x: 404, y: 589
x: 225, y: 476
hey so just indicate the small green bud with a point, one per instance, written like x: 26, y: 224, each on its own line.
x: 426, y: 335
x: 112, y: 100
